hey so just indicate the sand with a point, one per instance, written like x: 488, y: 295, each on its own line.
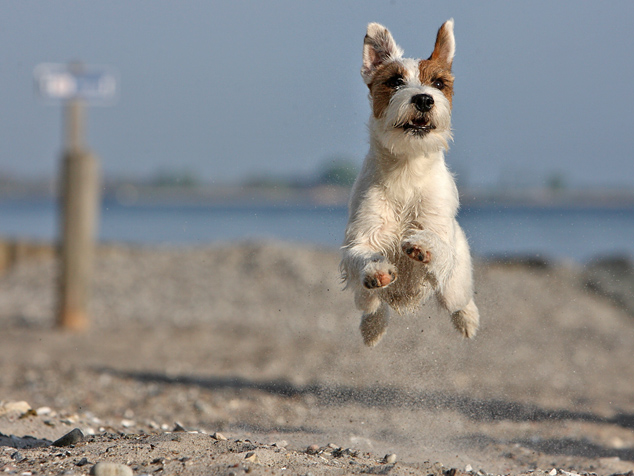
x: 260, y: 343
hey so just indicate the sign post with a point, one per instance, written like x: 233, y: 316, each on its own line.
x: 80, y: 185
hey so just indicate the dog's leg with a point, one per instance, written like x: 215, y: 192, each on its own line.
x: 366, y: 273
x: 371, y: 234
x: 431, y: 251
x: 374, y: 324
x: 467, y: 320
x: 457, y: 294
x: 367, y: 268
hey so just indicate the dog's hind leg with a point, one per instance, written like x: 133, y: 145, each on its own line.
x: 457, y: 294
x: 375, y: 317
x: 374, y: 325
x: 467, y: 320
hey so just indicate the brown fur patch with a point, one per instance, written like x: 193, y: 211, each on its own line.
x: 381, y: 94
x: 431, y: 70
x: 442, y: 45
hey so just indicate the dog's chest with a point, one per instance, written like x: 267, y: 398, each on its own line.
x: 429, y: 205
x: 422, y: 193
x: 418, y: 209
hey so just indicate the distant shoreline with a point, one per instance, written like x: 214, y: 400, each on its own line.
x: 128, y: 193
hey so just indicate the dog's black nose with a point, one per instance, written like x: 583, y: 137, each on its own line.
x: 423, y: 102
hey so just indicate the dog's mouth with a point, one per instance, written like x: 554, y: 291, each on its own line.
x: 418, y: 125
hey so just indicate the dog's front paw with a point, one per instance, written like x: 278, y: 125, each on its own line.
x: 416, y: 252
x: 379, y: 275
x: 434, y: 254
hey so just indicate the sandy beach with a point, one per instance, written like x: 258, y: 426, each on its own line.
x: 259, y: 343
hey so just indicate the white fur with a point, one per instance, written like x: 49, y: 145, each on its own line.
x: 405, y: 198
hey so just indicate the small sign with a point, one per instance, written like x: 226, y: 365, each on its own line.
x: 94, y: 84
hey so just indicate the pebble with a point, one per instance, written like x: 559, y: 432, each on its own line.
x: 178, y: 427
x: 390, y: 458
x: 617, y: 443
x: 14, y: 407
x: 252, y: 457
x: 219, y: 436
x: 312, y: 449
x: 70, y: 438
x: 69, y: 420
x: 553, y: 472
x: 280, y: 444
x: 111, y: 469
x: 468, y: 468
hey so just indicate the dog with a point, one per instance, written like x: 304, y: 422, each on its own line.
x: 402, y: 241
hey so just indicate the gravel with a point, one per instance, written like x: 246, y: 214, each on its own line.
x: 257, y: 344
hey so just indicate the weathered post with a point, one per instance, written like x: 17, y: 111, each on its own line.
x: 76, y: 84
x: 79, y: 211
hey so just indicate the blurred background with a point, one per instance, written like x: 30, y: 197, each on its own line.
x: 239, y: 120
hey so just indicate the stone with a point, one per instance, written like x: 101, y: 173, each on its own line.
x: 219, y: 436
x: 390, y: 458
x: 252, y: 457
x: 14, y: 407
x: 312, y: 449
x: 70, y: 438
x: 111, y: 469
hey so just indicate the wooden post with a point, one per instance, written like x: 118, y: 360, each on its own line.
x: 79, y: 211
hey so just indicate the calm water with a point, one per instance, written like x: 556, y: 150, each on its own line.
x: 561, y: 233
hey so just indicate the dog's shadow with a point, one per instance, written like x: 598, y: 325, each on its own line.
x: 381, y: 396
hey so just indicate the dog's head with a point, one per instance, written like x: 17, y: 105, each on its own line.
x: 410, y: 98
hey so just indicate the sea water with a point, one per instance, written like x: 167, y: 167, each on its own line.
x: 560, y: 233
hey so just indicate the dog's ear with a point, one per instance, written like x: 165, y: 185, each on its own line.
x: 445, y: 44
x: 378, y: 48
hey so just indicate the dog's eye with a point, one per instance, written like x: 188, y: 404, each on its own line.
x: 438, y: 84
x: 395, y: 81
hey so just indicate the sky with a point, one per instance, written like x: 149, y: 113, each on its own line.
x: 233, y: 90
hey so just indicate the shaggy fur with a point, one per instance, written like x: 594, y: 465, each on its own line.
x: 403, y: 243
